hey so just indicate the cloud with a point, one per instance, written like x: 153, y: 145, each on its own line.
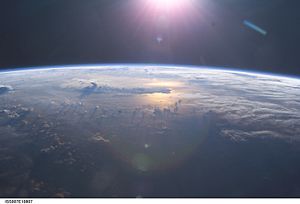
x: 93, y: 88
x: 260, y: 106
x: 244, y: 135
x: 5, y: 89
x: 99, y: 137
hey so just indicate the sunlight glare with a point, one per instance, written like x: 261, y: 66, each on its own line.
x: 167, y: 4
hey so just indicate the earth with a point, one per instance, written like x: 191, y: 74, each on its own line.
x: 148, y: 131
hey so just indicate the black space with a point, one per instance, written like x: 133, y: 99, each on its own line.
x: 59, y: 32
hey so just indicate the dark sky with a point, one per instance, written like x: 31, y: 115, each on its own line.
x: 207, y: 32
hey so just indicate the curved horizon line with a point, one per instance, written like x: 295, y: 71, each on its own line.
x: 99, y: 65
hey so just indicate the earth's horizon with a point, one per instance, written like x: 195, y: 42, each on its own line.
x: 141, y: 65
x: 128, y: 130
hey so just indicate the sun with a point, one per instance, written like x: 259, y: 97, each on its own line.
x: 167, y: 4
x: 164, y: 3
